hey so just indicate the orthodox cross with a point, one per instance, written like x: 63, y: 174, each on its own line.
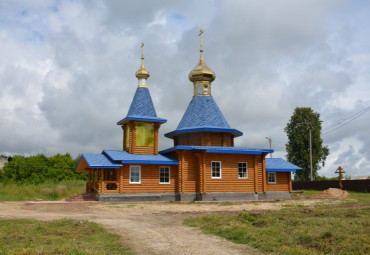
x: 142, y: 50
x: 340, y: 171
x: 201, y: 44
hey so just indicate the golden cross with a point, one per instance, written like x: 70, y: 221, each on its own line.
x: 201, y: 43
x: 142, y: 50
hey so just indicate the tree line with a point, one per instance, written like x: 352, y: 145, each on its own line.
x: 40, y: 169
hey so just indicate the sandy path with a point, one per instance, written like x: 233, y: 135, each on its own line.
x: 148, y: 228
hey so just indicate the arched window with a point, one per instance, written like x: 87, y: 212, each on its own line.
x: 205, y: 89
x: 199, y: 89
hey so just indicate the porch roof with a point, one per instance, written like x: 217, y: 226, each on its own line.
x: 127, y: 158
x: 280, y: 165
x: 220, y: 149
x: 99, y: 161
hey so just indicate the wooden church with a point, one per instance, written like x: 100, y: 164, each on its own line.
x: 203, y: 164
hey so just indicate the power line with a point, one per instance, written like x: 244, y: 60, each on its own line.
x: 347, y: 120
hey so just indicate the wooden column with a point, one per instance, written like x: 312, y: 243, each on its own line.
x: 204, y: 171
x: 124, y: 134
x: 264, y: 181
x: 156, y: 127
x: 120, y: 179
x: 290, y: 181
x: 181, y: 172
x: 132, y: 137
x: 255, y: 174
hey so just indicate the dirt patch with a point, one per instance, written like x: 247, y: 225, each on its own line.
x: 332, y: 193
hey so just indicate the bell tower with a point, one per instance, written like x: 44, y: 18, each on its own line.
x: 140, y: 126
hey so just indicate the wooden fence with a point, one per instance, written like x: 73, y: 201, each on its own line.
x: 353, y: 185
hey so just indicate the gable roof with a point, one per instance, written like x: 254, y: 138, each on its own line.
x: 203, y: 114
x: 142, y: 108
x: 280, y: 165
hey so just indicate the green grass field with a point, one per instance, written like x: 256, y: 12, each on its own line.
x: 46, y: 191
x: 297, y: 230
x: 57, y: 237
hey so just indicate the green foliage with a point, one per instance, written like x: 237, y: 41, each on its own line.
x: 57, y: 237
x: 44, y: 191
x: 297, y: 130
x: 293, y: 230
x: 324, y: 178
x: 40, y: 169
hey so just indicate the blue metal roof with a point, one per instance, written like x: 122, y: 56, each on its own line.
x: 142, y: 107
x: 127, y: 158
x: 280, y: 165
x: 203, y: 114
x: 99, y: 161
x: 220, y: 149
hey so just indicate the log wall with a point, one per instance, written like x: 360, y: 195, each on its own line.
x: 205, y: 139
x: 149, y: 180
x: 282, y: 182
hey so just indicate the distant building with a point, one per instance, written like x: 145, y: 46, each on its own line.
x: 203, y: 164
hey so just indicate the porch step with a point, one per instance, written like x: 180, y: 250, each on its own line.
x: 82, y: 197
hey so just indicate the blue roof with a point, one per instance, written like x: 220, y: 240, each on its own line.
x: 220, y: 149
x: 203, y: 114
x: 127, y: 158
x: 99, y: 161
x: 142, y: 107
x: 280, y: 165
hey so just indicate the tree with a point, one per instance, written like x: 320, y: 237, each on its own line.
x: 297, y: 130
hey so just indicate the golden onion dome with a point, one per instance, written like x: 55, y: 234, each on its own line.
x: 202, y: 72
x: 142, y: 73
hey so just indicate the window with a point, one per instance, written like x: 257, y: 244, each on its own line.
x: 199, y: 90
x: 271, y: 178
x: 135, y: 176
x: 243, y: 170
x: 216, y: 169
x: 164, y: 175
x: 127, y: 137
x: 144, y: 134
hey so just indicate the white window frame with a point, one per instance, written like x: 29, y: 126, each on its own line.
x: 169, y: 175
x: 218, y: 177
x: 246, y: 170
x: 139, y: 182
x: 268, y: 179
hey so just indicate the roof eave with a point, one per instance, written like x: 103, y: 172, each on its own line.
x: 235, y: 132
x: 144, y: 118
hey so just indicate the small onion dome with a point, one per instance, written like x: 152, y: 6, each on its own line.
x: 202, y: 72
x: 142, y: 73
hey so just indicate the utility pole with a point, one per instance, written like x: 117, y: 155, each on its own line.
x: 270, y: 140
x: 310, y: 129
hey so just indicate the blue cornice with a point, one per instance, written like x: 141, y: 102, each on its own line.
x: 235, y: 132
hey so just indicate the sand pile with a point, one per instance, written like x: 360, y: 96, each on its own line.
x: 332, y: 193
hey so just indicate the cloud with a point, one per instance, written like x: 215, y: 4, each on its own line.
x: 67, y: 72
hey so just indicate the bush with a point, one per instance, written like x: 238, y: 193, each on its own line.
x: 40, y: 169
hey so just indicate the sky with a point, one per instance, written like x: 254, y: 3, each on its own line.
x: 67, y: 71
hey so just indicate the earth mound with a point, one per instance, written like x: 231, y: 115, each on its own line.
x: 332, y: 193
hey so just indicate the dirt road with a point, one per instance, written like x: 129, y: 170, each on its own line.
x: 148, y: 228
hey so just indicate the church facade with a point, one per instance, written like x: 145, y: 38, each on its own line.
x: 202, y: 165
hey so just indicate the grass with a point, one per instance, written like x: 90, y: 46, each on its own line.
x: 57, y: 237
x: 229, y: 203
x: 46, y: 191
x: 294, y: 230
